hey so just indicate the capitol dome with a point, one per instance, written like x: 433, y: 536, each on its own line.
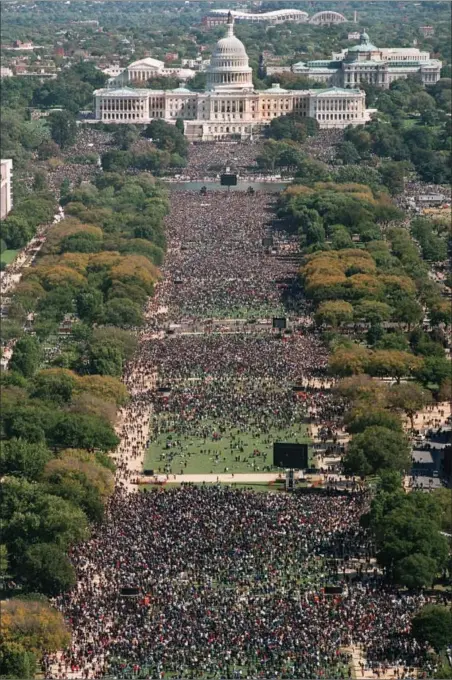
x: 229, y: 67
x: 229, y: 46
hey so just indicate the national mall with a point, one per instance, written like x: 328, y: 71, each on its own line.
x: 230, y: 106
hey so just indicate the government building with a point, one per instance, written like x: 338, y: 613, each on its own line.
x: 229, y: 107
x: 367, y: 63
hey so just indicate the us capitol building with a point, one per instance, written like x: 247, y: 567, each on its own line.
x: 230, y: 106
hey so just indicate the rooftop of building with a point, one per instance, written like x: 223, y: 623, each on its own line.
x: 147, y: 61
x: 274, y: 14
x: 338, y: 90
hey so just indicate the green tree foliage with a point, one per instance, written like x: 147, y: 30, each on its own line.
x: 291, y: 126
x: 16, y: 662
x: 124, y: 313
x: 106, y: 359
x: 377, y: 448
x: 54, y: 385
x: 26, y: 356
x: 125, y: 136
x: 346, y: 361
x: 47, y: 569
x: 167, y: 137
x: 32, y: 516
x: 432, y: 626
x: 409, y: 397
x: 23, y: 459
x: 409, y: 544
x: 63, y: 128
x: 360, y: 419
x: 334, y: 313
x: 372, y: 311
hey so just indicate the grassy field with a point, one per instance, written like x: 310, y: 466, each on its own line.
x: 7, y: 256
x: 233, y: 451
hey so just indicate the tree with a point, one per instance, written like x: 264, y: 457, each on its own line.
x: 393, y: 363
x: 410, y: 398
x: 393, y: 176
x: 407, y: 310
x: 363, y: 390
x: 40, y: 181
x: 71, y: 430
x: 47, y: 569
x: 23, y: 459
x: 415, y: 571
x: 105, y: 387
x: 377, y: 448
x: 125, y: 136
x: 123, y: 313
x: 432, y: 626
x: 372, y: 311
x: 409, y: 544
x: 340, y: 237
x: 16, y: 662
x: 166, y: 137
x: 443, y: 498
x: 34, y: 625
x: 26, y: 356
x: 105, y: 359
x: 63, y: 128
x: 54, y: 384
x: 334, y: 313
x: 433, y: 370
x: 364, y: 416
x: 347, y: 153
x: 346, y: 361
x: 90, y: 305
x: 32, y: 516
x: 16, y: 231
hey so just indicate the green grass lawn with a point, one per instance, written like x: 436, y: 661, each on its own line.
x: 213, y: 456
x: 7, y: 256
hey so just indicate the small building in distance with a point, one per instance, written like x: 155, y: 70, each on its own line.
x: 367, y: 63
x: 427, y: 31
x: 6, y: 194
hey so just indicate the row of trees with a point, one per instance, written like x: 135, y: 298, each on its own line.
x: 98, y: 264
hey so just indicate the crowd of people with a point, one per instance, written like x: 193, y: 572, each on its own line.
x: 208, y: 581
x: 208, y: 159
x: 211, y: 582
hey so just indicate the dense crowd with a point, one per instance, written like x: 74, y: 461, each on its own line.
x: 207, y: 581
x: 229, y: 584
x: 206, y: 160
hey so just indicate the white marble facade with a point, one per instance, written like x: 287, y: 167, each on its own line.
x: 229, y: 106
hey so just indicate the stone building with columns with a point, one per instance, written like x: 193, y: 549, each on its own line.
x: 367, y: 63
x: 229, y: 107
